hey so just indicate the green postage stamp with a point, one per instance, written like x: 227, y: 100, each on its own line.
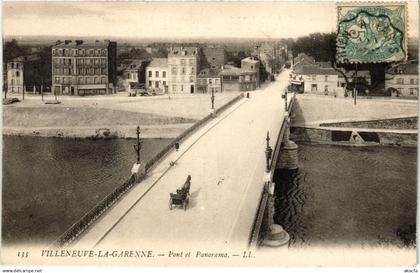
x: 371, y: 33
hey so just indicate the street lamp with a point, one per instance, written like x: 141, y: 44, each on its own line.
x: 137, y: 147
x: 212, y: 98
x: 268, y: 152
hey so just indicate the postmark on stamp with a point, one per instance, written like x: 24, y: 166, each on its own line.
x: 371, y: 33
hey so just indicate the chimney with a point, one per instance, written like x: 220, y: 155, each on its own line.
x: 58, y: 42
x: 79, y: 42
x: 67, y: 42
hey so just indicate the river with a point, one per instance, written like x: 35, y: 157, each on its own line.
x: 340, y: 195
x: 49, y: 183
x: 363, y: 196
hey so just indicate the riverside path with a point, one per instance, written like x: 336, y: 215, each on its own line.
x: 226, y: 161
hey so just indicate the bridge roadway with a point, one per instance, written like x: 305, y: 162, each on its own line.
x: 227, y: 163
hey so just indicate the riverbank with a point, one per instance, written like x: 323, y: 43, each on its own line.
x: 109, y: 116
x: 370, y: 122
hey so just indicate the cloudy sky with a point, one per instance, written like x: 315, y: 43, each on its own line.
x: 175, y: 20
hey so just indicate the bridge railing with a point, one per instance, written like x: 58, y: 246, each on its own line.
x: 83, y: 223
x: 265, y: 192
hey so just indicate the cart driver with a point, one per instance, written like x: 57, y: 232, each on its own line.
x: 187, y: 185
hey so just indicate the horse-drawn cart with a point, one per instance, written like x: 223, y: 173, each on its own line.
x: 180, y: 198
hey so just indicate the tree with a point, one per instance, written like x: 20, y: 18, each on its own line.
x: 12, y: 50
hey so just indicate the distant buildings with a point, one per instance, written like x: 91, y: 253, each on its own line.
x: 183, y: 63
x: 157, y: 75
x: 403, y: 81
x: 84, y: 68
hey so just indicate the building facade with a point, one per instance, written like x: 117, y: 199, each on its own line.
x: 238, y: 79
x: 15, y: 75
x: 208, y: 82
x: 183, y: 63
x: 252, y: 64
x: 84, y: 68
x: 157, y: 75
x: 403, y: 81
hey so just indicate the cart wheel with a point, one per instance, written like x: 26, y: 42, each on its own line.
x: 170, y: 203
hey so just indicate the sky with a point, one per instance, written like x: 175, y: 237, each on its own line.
x: 176, y: 20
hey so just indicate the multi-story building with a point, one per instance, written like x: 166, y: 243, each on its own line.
x: 25, y: 74
x: 403, y: 81
x: 157, y: 75
x: 183, y: 63
x: 84, y: 68
x: 252, y: 64
x: 133, y: 72
x: 208, y: 81
x: 15, y: 75
x: 238, y: 79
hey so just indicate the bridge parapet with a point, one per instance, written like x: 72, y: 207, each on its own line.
x: 284, y: 156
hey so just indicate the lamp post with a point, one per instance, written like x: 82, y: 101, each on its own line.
x: 137, y: 147
x: 355, y: 89
x: 268, y: 152
x: 285, y: 100
x: 212, y: 98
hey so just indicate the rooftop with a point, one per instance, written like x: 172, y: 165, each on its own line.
x: 183, y: 51
x: 159, y: 62
x: 208, y: 73
x: 81, y: 44
x: 235, y: 71
x: 249, y: 60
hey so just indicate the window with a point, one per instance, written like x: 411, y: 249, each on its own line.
x: 103, y: 79
x: 411, y: 81
x: 183, y: 71
x: 164, y: 83
x: 150, y: 83
x: 129, y: 76
x: 150, y: 73
x: 313, y: 77
x: 174, y: 88
x: 400, y: 81
x: 174, y: 70
x: 57, y: 80
x: 192, y: 62
x: 182, y: 61
x: 157, y: 74
x: 192, y: 70
x: 53, y: 51
x: 252, y: 67
x: 182, y: 88
x: 326, y: 78
x: 157, y: 84
x: 164, y: 74
x: 17, y: 73
x: 210, y: 81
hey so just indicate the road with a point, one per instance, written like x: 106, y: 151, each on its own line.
x: 226, y: 161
